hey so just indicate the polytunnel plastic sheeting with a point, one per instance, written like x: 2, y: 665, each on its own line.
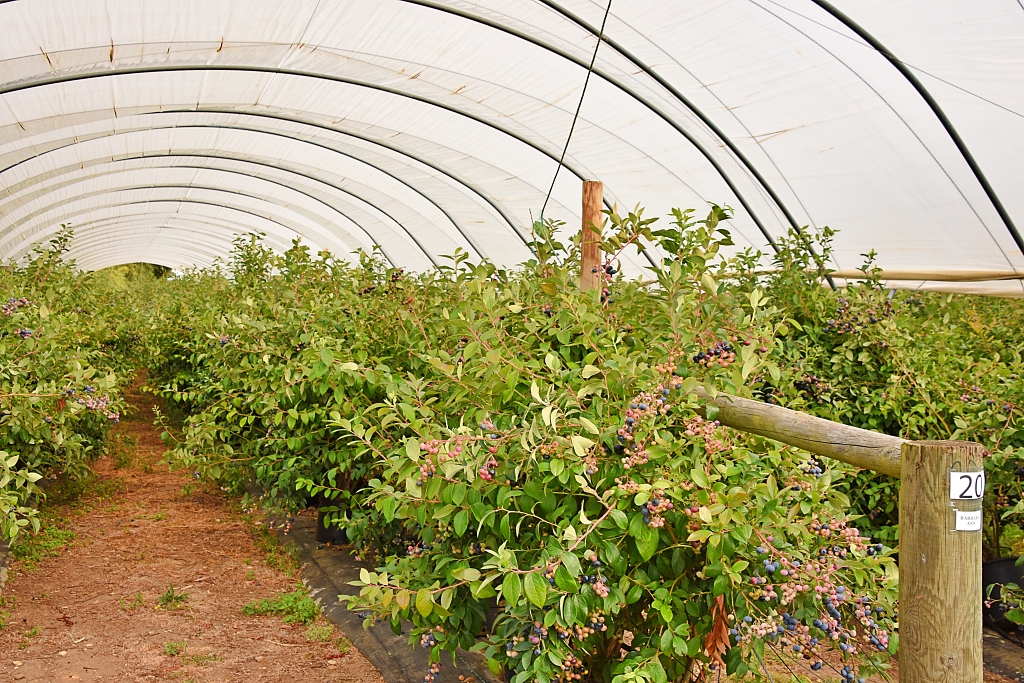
x: 161, y: 130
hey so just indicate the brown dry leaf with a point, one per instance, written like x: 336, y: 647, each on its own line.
x: 717, y: 641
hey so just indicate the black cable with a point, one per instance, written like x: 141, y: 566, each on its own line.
x: 586, y: 82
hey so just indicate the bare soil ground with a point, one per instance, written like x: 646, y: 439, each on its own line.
x: 82, y: 601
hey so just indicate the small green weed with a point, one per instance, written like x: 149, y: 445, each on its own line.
x: 250, y: 575
x: 186, y: 491
x: 171, y: 599
x: 343, y: 644
x: 29, y: 635
x: 179, y: 648
x: 135, y: 603
x: 50, y: 541
x: 296, y: 607
x: 198, y: 660
x: 4, y: 615
x: 319, y: 633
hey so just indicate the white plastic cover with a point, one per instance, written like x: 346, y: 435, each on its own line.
x: 160, y: 129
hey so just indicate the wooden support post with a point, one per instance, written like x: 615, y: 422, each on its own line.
x: 940, y: 566
x: 593, y: 197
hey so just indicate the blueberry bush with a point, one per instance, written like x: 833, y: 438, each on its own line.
x: 526, y: 465
x: 62, y: 363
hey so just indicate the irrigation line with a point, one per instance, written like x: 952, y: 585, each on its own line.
x: 783, y: 660
x: 766, y: 672
x: 579, y: 106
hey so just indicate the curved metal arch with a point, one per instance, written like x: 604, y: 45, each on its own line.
x: 338, y: 79
x: 685, y: 101
x: 13, y: 227
x: 252, y: 130
x: 98, y: 251
x: 523, y: 36
x: 936, y: 110
x: 294, y: 139
x: 365, y: 138
x: 197, y: 202
x: 642, y: 100
x: 98, y: 235
x: 174, y: 68
x: 107, y: 225
x: 234, y: 172
x: 240, y: 160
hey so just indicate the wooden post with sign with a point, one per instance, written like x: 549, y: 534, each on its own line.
x: 942, y: 485
x: 941, y: 488
x: 590, y: 261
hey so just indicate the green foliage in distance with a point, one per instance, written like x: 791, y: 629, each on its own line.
x: 129, y: 277
x: 916, y: 365
x: 503, y: 445
x: 62, y: 362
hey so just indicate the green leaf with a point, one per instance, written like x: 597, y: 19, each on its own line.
x: 589, y: 426
x: 460, y: 522
x: 581, y: 445
x: 647, y: 542
x: 564, y: 580
x: 412, y: 449
x: 700, y: 478
x: 589, y: 371
x: 536, y: 588
x: 620, y: 518
x: 424, y: 602
x: 571, y: 563
x: 654, y: 667
x: 468, y: 574
x: 666, y: 640
x: 511, y: 589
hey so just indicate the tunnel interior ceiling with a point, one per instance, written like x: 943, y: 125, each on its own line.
x: 161, y: 130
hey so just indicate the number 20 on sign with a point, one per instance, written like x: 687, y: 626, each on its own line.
x: 967, y: 486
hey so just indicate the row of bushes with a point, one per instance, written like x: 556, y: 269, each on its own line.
x: 529, y: 463
x: 521, y: 459
x: 64, y: 356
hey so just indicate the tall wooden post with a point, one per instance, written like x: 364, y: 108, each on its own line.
x: 593, y: 196
x: 940, y: 562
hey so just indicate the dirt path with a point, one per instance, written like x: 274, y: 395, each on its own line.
x: 89, y: 611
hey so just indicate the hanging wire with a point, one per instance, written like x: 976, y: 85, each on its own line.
x: 586, y: 82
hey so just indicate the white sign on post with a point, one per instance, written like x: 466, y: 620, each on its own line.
x: 966, y: 485
x: 968, y: 521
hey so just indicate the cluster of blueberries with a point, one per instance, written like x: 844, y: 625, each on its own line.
x: 24, y: 333
x: 812, y: 467
x: 14, y: 304
x: 428, y: 639
x: 812, y: 386
x: 875, y: 549
x: 418, y: 549
x: 433, y: 671
x: 848, y: 675
x: 722, y: 348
